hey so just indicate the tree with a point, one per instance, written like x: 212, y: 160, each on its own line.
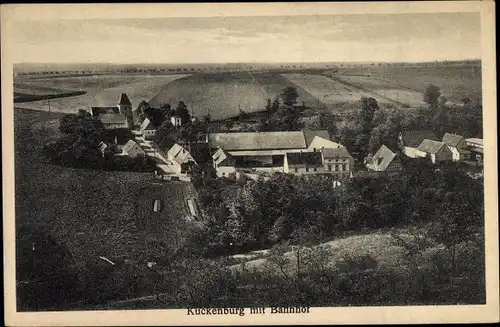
x: 289, y: 96
x: 275, y: 105
x: 431, y: 95
x: 268, y: 105
x: 182, y: 111
x: 365, y: 126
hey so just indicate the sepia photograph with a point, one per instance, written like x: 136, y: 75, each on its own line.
x: 239, y: 162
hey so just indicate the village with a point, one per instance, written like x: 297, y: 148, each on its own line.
x: 252, y: 154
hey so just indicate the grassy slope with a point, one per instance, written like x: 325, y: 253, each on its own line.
x: 225, y: 93
x: 93, y: 212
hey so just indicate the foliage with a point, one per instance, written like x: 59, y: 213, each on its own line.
x: 289, y: 96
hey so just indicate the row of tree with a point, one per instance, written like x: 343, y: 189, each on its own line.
x: 257, y: 214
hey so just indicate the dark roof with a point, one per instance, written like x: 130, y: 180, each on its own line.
x: 340, y: 152
x: 430, y: 146
x: 95, y: 111
x: 452, y: 139
x: 124, y: 99
x: 310, y: 135
x: 304, y: 159
x: 414, y: 138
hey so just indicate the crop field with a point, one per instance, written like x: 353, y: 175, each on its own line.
x: 384, y: 89
x: 101, y: 90
x: 455, y: 81
x: 223, y: 95
x: 329, y: 91
x: 93, y: 212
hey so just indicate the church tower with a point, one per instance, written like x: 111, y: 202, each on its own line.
x: 125, y: 108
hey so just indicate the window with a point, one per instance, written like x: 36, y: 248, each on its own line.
x: 307, y: 169
x: 223, y: 174
x: 315, y: 169
x: 337, y: 167
x: 344, y: 167
x: 157, y: 205
x: 329, y: 167
x: 296, y: 170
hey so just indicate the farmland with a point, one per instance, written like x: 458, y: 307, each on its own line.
x: 383, y: 90
x: 455, y: 81
x: 101, y: 90
x: 330, y: 92
x: 224, y: 94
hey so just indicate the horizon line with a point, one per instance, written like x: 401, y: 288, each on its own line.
x: 242, y: 62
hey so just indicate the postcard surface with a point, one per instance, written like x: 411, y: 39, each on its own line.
x: 239, y: 164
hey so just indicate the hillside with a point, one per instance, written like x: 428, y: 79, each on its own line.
x: 92, y: 212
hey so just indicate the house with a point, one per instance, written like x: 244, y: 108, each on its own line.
x: 475, y: 145
x: 147, y: 129
x: 269, y: 151
x: 337, y: 161
x: 119, y: 116
x: 180, y: 158
x: 176, y: 120
x: 384, y: 160
x: 133, y: 150
x: 300, y: 163
x: 435, y: 150
x: 456, y: 143
x: 224, y: 163
x: 410, y: 140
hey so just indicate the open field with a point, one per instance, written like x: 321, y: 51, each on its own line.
x: 224, y: 94
x: 101, y: 90
x: 93, y: 212
x: 455, y: 81
x: 385, y: 90
x: 330, y: 92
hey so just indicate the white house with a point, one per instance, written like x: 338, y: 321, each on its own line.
x: 180, y: 158
x: 224, y: 164
x: 133, y: 150
x: 384, y: 160
x: 176, y: 120
x: 436, y: 151
x: 409, y: 141
x: 457, y: 145
x: 275, y: 152
x: 301, y: 163
x: 147, y: 129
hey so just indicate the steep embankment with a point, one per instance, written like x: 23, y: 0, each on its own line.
x: 94, y: 212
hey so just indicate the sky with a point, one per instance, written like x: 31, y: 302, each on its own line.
x: 318, y: 38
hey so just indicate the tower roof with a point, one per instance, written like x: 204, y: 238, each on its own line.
x: 124, y: 100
